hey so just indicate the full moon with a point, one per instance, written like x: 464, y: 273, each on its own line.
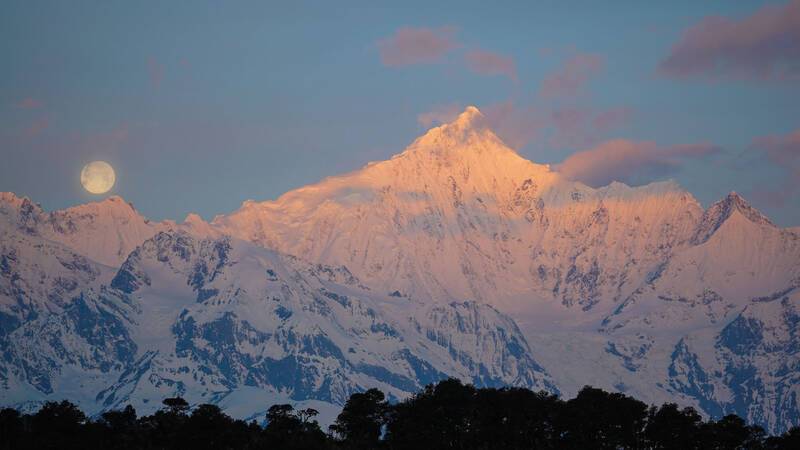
x: 98, y: 177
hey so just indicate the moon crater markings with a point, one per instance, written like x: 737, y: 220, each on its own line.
x: 98, y: 177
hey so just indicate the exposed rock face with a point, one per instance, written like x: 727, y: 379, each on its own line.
x: 205, y: 318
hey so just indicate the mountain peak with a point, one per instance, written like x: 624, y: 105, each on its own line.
x: 198, y: 226
x: 735, y: 202
x: 11, y: 198
x: 733, y: 198
x: 15, y: 201
x: 468, y: 117
x: 466, y: 136
x: 115, y: 201
x: 464, y: 125
x: 21, y: 211
x: 471, y: 119
x: 193, y: 218
x: 105, y: 230
x: 721, y: 211
x: 114, y: 205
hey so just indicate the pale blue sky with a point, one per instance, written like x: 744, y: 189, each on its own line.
x: 201, y: 105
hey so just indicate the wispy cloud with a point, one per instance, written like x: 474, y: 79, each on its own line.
x: 570, y: 127
x: 581, y: 126
x: 37, y: 127
x: 519, y: 124
x: 489, y: 63
x: 439, y: 114
x: 106, y: 141
x: 29, y: 103
x: 156, y: 72
x: 782, y: 151
x: 612, y: 118
x: 516, y: 125
x: 764, y: 45
x: 572, y: 76
x: 629, y: 161
x: 417, y: 46
x: 409, y: 46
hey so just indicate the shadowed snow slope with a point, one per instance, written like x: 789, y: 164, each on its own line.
x: 207, y: 318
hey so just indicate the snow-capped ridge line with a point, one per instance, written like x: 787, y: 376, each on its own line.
x: 105, y: 231
x: 719, y: 212
x: 631, y: 288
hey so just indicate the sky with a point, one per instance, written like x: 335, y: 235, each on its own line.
x: 202, y: 105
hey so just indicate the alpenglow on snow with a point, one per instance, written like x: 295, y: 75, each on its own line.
x: 456, y: 257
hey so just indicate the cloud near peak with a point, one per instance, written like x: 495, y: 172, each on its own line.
x: 572, y: 76
x: 155, y: 71
x: 417, y: 46
x: 410, y: 46
x: 440, y: 114
x: 631, y: 162
x: 29, y: 103
x: 782, y: 151
x: 519, y: 124
x: 764, y: 46
x: 489, y: 63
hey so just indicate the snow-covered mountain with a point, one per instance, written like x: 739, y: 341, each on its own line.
x: 222, y: 320
x: 627, y: 273
x: 456, y: 256
x: 105, y: 231
x: 460, y: 215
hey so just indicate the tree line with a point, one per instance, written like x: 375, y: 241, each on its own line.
x: 447, y: 415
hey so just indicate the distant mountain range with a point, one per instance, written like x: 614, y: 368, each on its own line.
x: 456, y: 257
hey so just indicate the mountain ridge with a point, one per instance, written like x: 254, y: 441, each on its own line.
x: 636, y: 289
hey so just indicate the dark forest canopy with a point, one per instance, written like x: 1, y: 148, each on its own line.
x: 448, y: 415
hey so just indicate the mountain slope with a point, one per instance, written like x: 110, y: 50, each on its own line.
x: 105, y: 231
x: 61, y: 331
x: 738, y: 257
x: 39, y: 276
x: 621, y: 276
x: 210, y: 318
x: 460, y: 215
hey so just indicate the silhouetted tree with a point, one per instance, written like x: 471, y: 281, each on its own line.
x: 11, y: 429
x: 361, y: 420
x: 164, y: 426
x: 730, y: 432
x: 57, y: 425
x: 287, y: 429
x: 790, y: 440
x: 176, y: 405
x: 120, y: 420
x: 209, y: 428
x: 306, y: 415
x: 515, y: 418
x: 671, y: 428
x: 598, y: 419
x: 447, y: 415
x: 120, y: 429
x: 439, y: 417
